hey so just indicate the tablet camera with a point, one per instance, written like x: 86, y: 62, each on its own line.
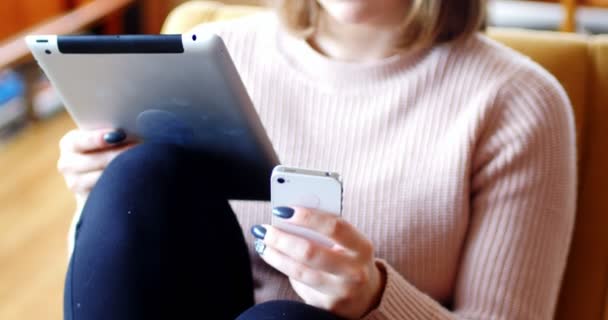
x: 281, y: 180
x: 193, y: 37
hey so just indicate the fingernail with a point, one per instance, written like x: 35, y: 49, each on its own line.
x: 258, y: 231
x: 259, y: 246
x: 114, y: 136
x: 283, y: 212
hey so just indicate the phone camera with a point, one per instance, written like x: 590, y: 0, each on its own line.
x: 47, y: 51
x: 193, y: 37
x: 281, y: 180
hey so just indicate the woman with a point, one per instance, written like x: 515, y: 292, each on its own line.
x: 458, y: 157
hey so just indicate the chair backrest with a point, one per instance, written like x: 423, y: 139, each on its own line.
x: 580, y: 63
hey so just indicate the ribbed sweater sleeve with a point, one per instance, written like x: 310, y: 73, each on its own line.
x: 522, y: 214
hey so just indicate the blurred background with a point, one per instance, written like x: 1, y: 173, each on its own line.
x: 35, y: 206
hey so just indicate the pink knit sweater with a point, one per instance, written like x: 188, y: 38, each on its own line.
x: 458, y: 163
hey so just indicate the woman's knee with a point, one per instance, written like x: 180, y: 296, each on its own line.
x: 288, y: 310
x: 147, y: 159
x: 137, y: 182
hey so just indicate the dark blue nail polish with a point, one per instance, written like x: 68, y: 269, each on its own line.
x: 258, y: 231
x: 115, y: 136
x: 283, y: 212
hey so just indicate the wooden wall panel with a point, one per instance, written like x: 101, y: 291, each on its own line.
x: 112, y: 24
x: 36, y: 11
x: 153, y: 13
x: 10, y: 18
x: 15, y: 16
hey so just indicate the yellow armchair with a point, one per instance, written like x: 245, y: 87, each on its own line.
x: 580, y: 63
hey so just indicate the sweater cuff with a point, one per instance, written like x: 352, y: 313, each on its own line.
x: 401, y: 300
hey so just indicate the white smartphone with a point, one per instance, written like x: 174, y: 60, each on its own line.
x: 308, y: 188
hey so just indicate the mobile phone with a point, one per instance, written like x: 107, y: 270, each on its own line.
x: 308, y: 188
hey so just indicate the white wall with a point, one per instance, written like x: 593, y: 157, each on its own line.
x: 542, y: 15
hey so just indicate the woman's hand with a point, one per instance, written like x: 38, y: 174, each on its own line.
x: 85, y: 154
x: 343, y: 279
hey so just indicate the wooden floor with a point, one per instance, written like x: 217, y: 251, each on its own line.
x: 35, y: 211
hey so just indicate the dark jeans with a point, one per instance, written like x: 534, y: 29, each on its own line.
x: 158, y: 240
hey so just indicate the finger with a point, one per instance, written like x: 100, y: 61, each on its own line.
x: 309, y: 252
x: 333, y: 227
x: 85, y: 141
x: 81, y: 199
x: 317, y: 279
x: 75, y: 163
x: 83, y: 183
x: 312, y: 296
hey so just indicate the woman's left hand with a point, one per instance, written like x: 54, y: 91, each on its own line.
x: 343, y: 279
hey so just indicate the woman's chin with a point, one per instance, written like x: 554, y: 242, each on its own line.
x: 348, y: 12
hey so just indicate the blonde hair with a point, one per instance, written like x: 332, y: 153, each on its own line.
x: 428, y: 22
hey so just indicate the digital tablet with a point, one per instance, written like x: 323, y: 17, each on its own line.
x: 182, y: 89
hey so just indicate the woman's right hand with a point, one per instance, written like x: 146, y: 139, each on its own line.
x: 85, y: 154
